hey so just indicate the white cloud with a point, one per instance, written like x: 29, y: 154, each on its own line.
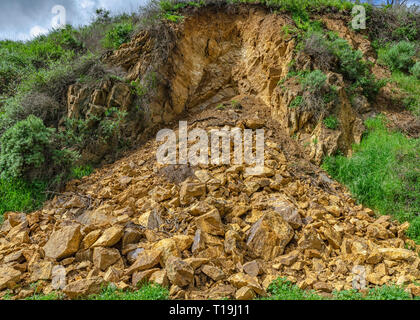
x: 37, y: 31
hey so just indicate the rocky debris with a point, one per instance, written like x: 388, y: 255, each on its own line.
x: 41, y: 271
x: 214, y: 273
x: 83, y: 287
x: 105, y: 257
x: 269, y: 236
x: 240, y: 280
x: 229, y: 239
x: 8, y: 277
x: 63, y: 243
x: 210, y: 231
x: 245, y: 293
x: 179, y: 272
x: 109, y: 237
x: 146, y: 260
x: 58, y: 278
x: 211, y: 223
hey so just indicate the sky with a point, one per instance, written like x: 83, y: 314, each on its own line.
x: 24, y: 19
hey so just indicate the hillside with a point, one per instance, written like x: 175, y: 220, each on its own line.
x: 324, y: 95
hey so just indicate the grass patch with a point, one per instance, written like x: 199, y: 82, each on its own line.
x: 383, y: 173
x: 17, y: 195
x: 410, y: 85
x: 282, y: 289
x: 45, y: 297
x: 331, y: 122
x: 149, y: 291
x: 80, y: 172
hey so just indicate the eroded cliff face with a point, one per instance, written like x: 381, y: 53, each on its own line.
x: 218, y: 55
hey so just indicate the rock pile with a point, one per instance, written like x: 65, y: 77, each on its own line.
x: 205, y: 232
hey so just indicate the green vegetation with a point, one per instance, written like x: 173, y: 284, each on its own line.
x: 39, y: 145
x: 330, y: 52
x: 282, y: 289
x: 81, y: 171
x: 117, y: 35
x: 45, y: 297
x: 18, y: 195
x: 398, y: 57
x: 410, y: 85
x: 383, y: 173
x: 415, y: 70
x: 297, y: 102
x: 331, y: 122
x: 303, y: 6
x: 29, y: 152
x: 313, y: 81
x: 146, y: 292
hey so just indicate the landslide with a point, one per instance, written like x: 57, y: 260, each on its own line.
x: 212, y: 231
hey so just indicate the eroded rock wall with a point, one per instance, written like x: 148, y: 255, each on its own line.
x: 220, y: 54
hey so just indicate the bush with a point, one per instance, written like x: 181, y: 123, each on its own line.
x: 317, y: 48
x: 118, y: 35
x: 24, y: 147
x: 351, y: 64
x: 314, y: 81
x: 383, y: 173
x: 399, y: 56
x: 415, y: 70
x: 29, y: 151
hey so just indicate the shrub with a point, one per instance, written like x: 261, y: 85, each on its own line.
x: 29, y: 151
x: 314, y: 81
x: 415, y: 70
x: 24, y: 147
x: 118, y: 35
x: 317, y: 48
x: 410, y: 85
x: 351, y: 64
x: 399, y: 56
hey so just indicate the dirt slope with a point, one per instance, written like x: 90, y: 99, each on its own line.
x: 210, y: 231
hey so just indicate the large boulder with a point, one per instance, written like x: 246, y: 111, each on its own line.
x: 63, y: 243
x: 269, y: 236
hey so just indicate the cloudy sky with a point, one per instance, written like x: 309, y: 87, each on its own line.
x: 22, y: 19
